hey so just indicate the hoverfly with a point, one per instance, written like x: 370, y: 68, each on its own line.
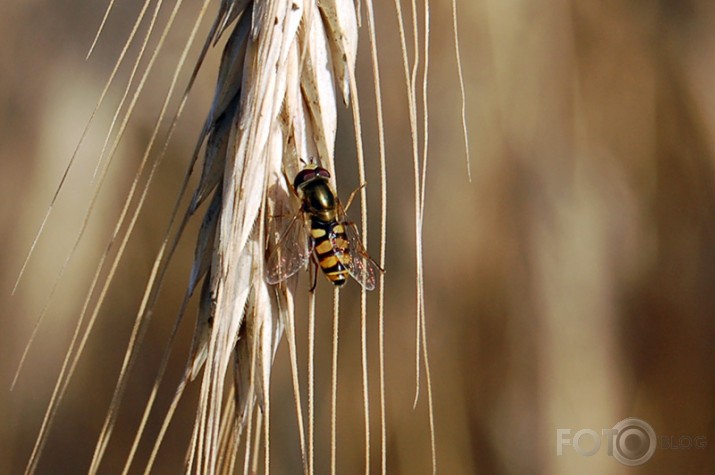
x: 320, y: 227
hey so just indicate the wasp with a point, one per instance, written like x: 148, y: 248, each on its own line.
x: 320, y: 228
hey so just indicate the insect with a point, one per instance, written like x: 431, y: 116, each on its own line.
x: 320, y: 228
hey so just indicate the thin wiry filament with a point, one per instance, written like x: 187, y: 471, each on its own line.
x: 460, y: 74
x: 383, y: 231
x: 311, y: 383
x: 334, y: 384
x: 363, y: 296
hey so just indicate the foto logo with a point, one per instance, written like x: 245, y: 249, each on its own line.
x: 632, y: 441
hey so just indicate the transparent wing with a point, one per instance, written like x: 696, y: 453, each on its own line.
x: 355, y: 258
x: 290, y: 250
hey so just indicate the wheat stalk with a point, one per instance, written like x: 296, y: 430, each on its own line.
x: 289, y: 59
x: 274, y: 104
x: 284, y: 68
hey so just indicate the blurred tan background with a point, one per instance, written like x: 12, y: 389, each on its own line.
x: 570, y: 285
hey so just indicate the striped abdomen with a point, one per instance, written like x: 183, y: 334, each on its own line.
x: 324, y: 235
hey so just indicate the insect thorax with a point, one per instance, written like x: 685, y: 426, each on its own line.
x: 319, y: 200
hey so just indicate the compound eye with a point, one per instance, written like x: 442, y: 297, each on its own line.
x: 303, y: 176
x: 322, y: 172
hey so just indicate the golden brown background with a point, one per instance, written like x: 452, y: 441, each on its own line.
x: 570, y: 284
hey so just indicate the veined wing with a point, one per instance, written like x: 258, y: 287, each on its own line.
x: 354, y: 257
x: 290, y: 252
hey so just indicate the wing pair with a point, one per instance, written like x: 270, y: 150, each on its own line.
x: 294, y: 246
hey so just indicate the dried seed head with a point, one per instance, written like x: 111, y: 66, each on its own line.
x: 275, y: 105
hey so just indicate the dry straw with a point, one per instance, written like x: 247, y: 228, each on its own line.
x: 276, y: 95
x: 285, y: 68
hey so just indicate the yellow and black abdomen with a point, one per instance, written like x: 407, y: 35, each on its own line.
x: 331, y: 248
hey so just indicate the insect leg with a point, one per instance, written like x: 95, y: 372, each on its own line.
x: 314, y: 272
x: 351, y: 231
x: 352, y: 195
